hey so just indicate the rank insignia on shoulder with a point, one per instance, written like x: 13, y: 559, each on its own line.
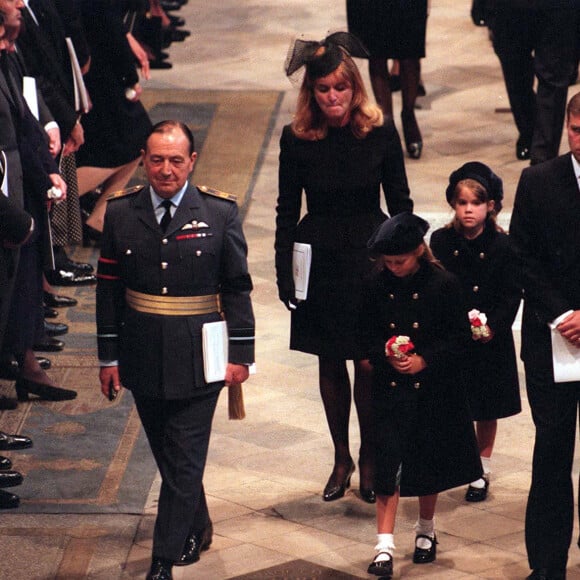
x: 218, y: 193
x: 124, y: 192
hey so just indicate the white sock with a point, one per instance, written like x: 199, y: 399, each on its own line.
x: 478, y: 483
x: 486, y: 464
x: 425, y: 528
x: 385, y: 546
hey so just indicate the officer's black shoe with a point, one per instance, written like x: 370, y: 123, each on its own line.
x: 194, y: 545
x: 160, y: 570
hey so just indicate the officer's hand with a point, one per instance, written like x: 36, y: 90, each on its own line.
x: 109, y: 377
x: 236, y: 374
x: 569, y: 328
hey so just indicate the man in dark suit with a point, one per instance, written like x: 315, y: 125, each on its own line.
x: 173, y: 258
x: 546, y: 238
x: 535, y: 41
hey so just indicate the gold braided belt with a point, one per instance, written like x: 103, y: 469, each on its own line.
x: 172, y: 305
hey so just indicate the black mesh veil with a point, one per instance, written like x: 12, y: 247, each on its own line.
x: 303, y: 53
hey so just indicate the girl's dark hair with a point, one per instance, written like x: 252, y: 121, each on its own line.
x: 480, y: 193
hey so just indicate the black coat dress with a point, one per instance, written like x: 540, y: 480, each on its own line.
x: 115, y: 128
x: 486, y: 269
x: 342, y: 178
x: 423, y: 421
x: 389, y: 28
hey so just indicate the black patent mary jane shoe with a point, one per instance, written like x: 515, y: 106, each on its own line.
x: 475, y: 494
x: 382, y: 565
x: 425, y: 555
x: 335, y: 489
x: 160, y: 570
x: 194, y: 545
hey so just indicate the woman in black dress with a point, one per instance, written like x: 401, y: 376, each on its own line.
x: 392, y: 29
x: 117, y: 125
x: 339, y: 153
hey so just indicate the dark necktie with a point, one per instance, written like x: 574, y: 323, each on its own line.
x: 166, y: 218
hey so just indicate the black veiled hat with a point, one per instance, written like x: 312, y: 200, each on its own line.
x: 482, y: 174
x: 302, y: 53
x: 398, y: 235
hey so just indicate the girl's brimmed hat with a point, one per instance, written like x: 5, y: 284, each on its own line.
x: 482, y: 174
x: 398, y: 235
x: 303, y: 53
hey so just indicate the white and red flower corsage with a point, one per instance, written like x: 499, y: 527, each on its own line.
x: 478, y: 321
x: 399, y: 346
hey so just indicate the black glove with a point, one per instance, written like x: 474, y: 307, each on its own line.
x: 287, y: 297
x: 479, y: 12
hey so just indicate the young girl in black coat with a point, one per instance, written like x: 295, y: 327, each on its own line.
x: 474, y: 248
x: 425, y: 438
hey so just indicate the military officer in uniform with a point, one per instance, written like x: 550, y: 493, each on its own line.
x: 173, y: 257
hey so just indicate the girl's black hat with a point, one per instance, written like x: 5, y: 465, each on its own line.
x: 482, y: 174
x: 398, y: 235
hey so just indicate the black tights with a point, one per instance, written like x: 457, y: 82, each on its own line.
x: 336, y: 397
x: 410, y: 73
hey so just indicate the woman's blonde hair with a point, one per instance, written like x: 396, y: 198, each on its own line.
x: 309, y: 121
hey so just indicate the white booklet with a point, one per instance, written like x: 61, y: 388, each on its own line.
x: 565, y: 359
x: 214, y: 338
x: 301, y: 261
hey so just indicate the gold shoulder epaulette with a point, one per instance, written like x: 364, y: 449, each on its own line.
x: 218, y: 193
x: 124, y: 192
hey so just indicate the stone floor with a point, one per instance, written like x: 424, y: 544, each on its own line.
x: 265, y: 474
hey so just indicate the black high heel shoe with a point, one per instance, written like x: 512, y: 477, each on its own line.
x: 24, y: 387
x: 413, y: 138
x: 336, y: 489
x: 368, y: 495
